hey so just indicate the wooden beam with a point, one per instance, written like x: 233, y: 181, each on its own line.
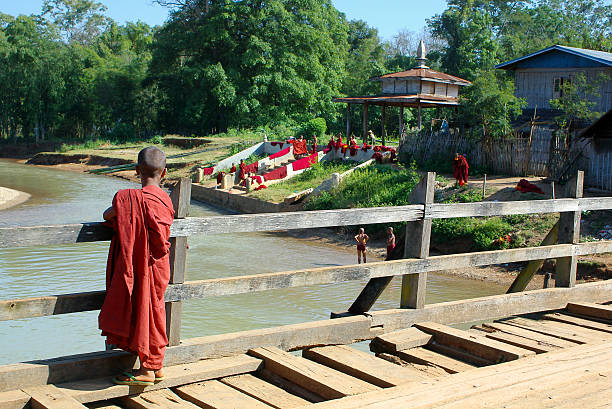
x: 569, y: 232
x: 581, y: 322
x: 416, y: 245
x: 244, y: 223
x: 524, y: 277
x: 216, y: 395
x: 319, y: 379
x: 383, y: 131
x: 488, y: 349
x: 541, y: 339
x: 181, y: 199
x: 89, y: 232
x: 492, y: 307
x: 426, y: 357
x: 365, y: 122
x: 361, y: 365
x: 288, y: 337
x: 394, y: 341
x: 14, y: 399
x: 69, y: 303
x: 348, y: 120
x: 50, y: 397
x: 591, y: 309
x: 526, y: 343
x: 265, y: 392
x: 162, y: 398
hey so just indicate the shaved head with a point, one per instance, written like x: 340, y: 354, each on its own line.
x: 151, y: 161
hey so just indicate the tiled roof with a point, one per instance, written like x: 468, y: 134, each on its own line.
x: 424, y: 73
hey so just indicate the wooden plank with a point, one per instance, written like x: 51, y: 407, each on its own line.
x: 591, y: 309
x: 159, y: 399
x: 87, y: 232
x: 392, y: 342
x: 424, y: 356
x: 581, y: 322
x: 488, y: 349
x: 317, y: 378
x: 420, y: 370
x: 492, y: 307
x: 416, y: 245
x: 64, y: 304
x: 264, y: 391
x: 536, y: 371
x: 93, y: 390
x: 361, y: 365
x: 536, y: 346
x: 50, y: 397
x: 458, y: 354
x: 543, y: 339
x: 13, y: 399
x: 569, y: 232
x: 216, y: 395
x: 570, y: 334
x: 475, y: 209
x: 294, y: 336
x: 288, y: 386
x: 181, y: 198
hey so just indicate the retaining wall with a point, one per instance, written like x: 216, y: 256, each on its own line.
x: 237, y: 203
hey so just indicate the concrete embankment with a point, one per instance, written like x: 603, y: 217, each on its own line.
x: 237, y: 203
x: 11, y: 197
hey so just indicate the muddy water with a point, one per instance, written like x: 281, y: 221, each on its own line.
x: 65, y: 197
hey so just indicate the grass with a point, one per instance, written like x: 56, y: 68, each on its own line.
x: 313, y: 177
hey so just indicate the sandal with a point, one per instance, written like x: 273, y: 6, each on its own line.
x: 130, y: 374
x: 132, y: 381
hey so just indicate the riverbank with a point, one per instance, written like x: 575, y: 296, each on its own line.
x: 11, y: 197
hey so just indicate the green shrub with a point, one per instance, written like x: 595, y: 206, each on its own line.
x: 156, y: 140
x: 123, y: 132
x: 316, y: 126
x: 488, y: 230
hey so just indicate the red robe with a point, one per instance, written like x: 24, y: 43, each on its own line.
x: 460, y: 170
x: 243, y: 168
x: 233, y: 169
x: 133, y: 316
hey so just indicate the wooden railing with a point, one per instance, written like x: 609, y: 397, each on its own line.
x: 414, y: 267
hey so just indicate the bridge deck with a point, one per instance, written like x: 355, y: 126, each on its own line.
x: 548, y: 359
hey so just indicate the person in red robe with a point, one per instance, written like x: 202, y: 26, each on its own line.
x: 314, y: 144
x: 338, y: 142
x: 460, y: 169
x: 233, y: 169
x: 390, y: 241
x: 243, y: 170
x: 133, y: 316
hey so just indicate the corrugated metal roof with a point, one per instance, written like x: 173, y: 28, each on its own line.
x: 424, y: 73
x: 599, y: 56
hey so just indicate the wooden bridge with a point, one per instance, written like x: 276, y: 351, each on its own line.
x: 543, y: 348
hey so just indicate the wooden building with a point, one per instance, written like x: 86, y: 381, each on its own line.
x: 596, y: 157
x: 539, y: 76
x: 420, y: 87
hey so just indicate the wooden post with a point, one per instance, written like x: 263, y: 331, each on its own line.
x: 365, y: 122
x: 419, y: 117
x: 418, y: 235
x: 376, y: 286
x: 569, y: 232
x: 348, y: 120
x: 552, y: 187
x: 383, y: 132
x: 484, y: 186
x: 181, y: 197
x: 401, y: 121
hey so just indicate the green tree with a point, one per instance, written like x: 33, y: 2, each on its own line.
x: 80, y: 21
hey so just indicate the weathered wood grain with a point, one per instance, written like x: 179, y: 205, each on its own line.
x: 570, y: 319
x: 87, y: 232
x: 591, y: 309
x: 426, y: 357
x: 317, y: 378
x: 263, y: 391
x: 541, y: 339
x: 450, y: 210
x: 159, y: 399
x: 569, y: 232
x: 458, y: 354
x: 492, y: 307
x: 361, y: 365
x: 50, y: 397
x: 217, y: 395
x: 488, y: 349
x: 538, y: 347
x: 394, y: 341
x: 64, y: 304
x: 16, y: 399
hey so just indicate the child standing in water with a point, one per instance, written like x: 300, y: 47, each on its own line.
x: 390, y: 241
x: 362, y: 240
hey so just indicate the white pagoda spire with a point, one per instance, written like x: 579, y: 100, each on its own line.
x: 421, y: 55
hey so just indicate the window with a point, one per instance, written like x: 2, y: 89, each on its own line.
x: 559, y: 83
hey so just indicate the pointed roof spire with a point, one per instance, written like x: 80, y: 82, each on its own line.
x: 421, y: 55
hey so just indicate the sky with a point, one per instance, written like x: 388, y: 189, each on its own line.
x: 388, y: 16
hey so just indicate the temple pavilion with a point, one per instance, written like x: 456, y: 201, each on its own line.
x: 420, y: 87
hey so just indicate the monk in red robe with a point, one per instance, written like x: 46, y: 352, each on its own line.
x: 243, y: 170
x: 233, y: 169
x: 460, y: 169
x: 314, y: 144
x: 133, y: 316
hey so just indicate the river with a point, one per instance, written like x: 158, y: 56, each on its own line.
x: 67, y: 197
